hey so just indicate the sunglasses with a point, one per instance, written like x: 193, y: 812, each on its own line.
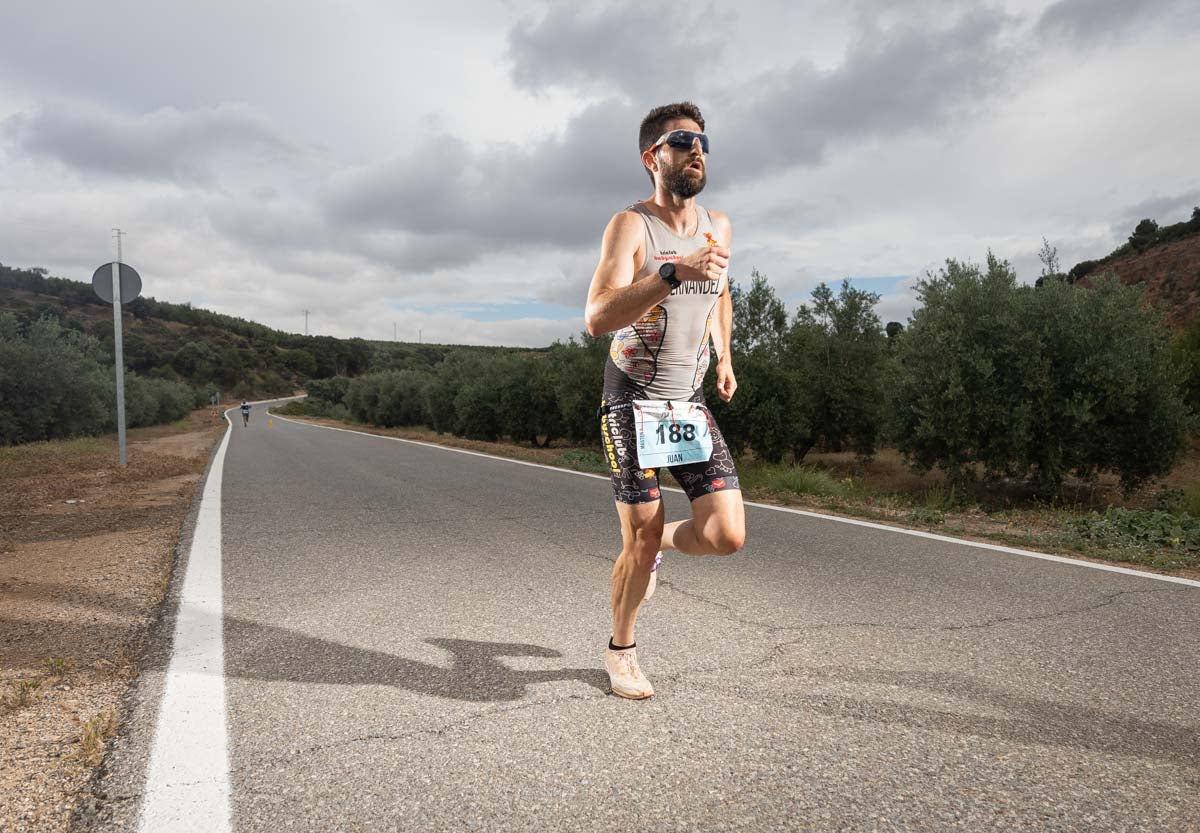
x: 682, y: 139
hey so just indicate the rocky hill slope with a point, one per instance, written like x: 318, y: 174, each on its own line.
x: 1171, y: 274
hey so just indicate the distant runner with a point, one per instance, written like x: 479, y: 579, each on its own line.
x: 245, y: 413
x: 663, y: 285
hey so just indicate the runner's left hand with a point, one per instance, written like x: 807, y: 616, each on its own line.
x: 726, y: 383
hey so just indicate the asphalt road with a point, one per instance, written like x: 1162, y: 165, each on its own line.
x: 413, y: 642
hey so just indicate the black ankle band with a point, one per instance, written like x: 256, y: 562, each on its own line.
x: 612, y: 646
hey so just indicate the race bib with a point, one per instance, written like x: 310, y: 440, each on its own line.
x: 671, y: 433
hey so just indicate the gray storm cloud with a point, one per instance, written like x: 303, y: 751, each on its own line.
x: 892, y: 81
x: 635, y: 48
x: 167, y: 144
x: 1090, y: 21
x: 557, y: 192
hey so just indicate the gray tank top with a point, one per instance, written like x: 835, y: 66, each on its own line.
x: 665, y: 353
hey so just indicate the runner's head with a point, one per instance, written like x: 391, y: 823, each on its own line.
x: 681, y: 165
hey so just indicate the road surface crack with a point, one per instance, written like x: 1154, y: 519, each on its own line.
x: 416, y: 733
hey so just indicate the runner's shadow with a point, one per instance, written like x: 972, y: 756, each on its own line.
x: 475, y: 672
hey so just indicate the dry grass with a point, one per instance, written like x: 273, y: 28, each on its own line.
x: 94, y: 734
x: 20, y: 694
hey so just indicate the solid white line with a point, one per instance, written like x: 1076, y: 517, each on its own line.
x: 852, y: 521
x: 187, y: 780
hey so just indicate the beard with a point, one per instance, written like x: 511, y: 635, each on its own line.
x: 681, y: 185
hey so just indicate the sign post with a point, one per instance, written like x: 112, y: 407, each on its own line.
x: 118, y: 283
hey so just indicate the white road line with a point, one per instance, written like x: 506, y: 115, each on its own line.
x: 187, y: 780
x: 852, y: 521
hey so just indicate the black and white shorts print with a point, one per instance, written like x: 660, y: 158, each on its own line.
x: 633, y: 484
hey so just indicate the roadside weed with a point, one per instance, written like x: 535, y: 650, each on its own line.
x: 581, y: 459
x: 926, y: 517
x: 21, y: 694
x: 802, y: 480
x: 1152, y: 537
x: 93, y: 735
x: 57, y: 667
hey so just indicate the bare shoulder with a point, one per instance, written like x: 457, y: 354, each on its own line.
x: 625, y: 221
x: 624, y: 232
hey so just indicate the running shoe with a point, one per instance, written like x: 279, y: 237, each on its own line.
x: 653, y: 577
x: 626, y: 678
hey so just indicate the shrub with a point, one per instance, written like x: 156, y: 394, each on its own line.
x: 1160, y: 538
x: 1036, y: 383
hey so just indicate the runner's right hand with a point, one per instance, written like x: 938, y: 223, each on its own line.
x: 707, y: 263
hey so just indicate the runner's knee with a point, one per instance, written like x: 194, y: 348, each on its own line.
x: 727, y: 540
x: 644, y: 542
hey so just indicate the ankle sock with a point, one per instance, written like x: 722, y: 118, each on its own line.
x: 612, y: 646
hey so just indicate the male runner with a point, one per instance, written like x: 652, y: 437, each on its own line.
x: 662, y: 284
x: 245, y: 413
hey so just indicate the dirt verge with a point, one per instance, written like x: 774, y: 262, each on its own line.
x: 86, y: 549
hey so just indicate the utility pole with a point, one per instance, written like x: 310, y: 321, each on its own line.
x: 395, y: 331
x: 119, y: 349
x: 306, y: 322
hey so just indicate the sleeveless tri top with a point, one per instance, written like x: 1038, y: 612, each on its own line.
x: 665, y: 353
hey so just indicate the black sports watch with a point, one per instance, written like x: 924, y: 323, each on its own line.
x: 667, y: 273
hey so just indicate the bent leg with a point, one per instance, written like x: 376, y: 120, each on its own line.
x: 641, y: 534
x: 717, y: 526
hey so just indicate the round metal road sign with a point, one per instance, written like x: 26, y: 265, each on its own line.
x: 131, y: 283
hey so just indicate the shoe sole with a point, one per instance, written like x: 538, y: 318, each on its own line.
x: 633, y: 696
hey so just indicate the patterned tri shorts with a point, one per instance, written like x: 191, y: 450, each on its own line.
x: 633, y: 484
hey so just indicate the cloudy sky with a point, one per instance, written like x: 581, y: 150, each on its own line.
x: 446, y: 170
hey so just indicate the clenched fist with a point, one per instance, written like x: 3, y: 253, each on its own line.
x: 707, y: 263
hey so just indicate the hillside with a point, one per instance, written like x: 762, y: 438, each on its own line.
x: 178, y: 342
x: 1166, y: 260
x: 1171, y: 274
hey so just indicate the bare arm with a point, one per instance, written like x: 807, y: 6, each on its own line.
x: 722, y: 325
x: 615, y: 299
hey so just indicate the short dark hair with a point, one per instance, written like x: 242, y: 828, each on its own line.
x: 652, y: 125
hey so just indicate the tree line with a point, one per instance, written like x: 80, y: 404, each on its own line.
x: 990, y: 380
x: 179, y: 343
x: 56, y: 382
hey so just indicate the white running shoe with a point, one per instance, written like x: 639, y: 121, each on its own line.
x: 653, y: 577
x: 626, y: 678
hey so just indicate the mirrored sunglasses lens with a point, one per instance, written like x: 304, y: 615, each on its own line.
x: 683, y: 140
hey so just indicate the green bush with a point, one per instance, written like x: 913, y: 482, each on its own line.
x: 800, y: 480
x: 55, y: 383
x: 582, y: 459
x: 1036, y: 383
x: 331, y: 390
x: 819, y: 381
x: 1150, y: 536
x: 926, y: 516
x: 52, y: 383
